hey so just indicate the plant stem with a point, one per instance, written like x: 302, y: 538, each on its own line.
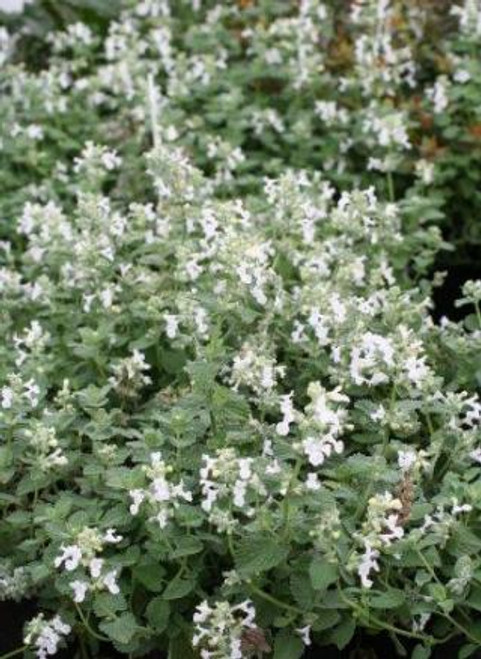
x: 92, y: 632
x: 153, y: 110
x: 478, y: 313
x: 286, y: 507
x: 14, y: 653
x: 385, y: 625
x: 83, y: 648
x: 452, y: 620
x: 273, y: 600
x: 390, y: 187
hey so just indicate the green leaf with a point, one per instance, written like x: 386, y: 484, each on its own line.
x: 258, y: 554
x: 123, y: 478
x: 322, y: 573
x: 474, y: 599
x: 106, y: 605
x: 186, y: 546
x: 178, y: 588
x: 301, y: 590
x: 158, y: 612
x: 287, y: 646
x: 326, y: 619
x: 173, y: 361
x: 180, y: 648
x: 6, y: 459
x: 421, y: 652
x: 467, y: 651
x: 391, y: 599
x: 343, y: 633
x: 122, y: 629
x: 151, y: 575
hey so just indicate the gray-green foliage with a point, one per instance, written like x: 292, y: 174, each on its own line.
x: 228, y: 421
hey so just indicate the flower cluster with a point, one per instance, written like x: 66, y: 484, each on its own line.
x: 82, y: 559
x: 220, y: 223
x: 220, y: 628
x: 46, y: 635
x: 161, y: 496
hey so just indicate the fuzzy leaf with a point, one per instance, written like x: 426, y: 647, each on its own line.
x: 343, y: 633
x: 322, y: 573
x: 122, y: 629
x: 151, y: 576
x: 288, y: 646
x: 258, y: 554
x: 181, y: 648
x: 107, y: 605
x: 421, y: 652
x: 391, y: 599
x: 467, y: 651
x: 177, y: 588
x: 157, y: 613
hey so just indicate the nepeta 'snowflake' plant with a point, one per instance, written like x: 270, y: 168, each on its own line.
x: 292, y: 418
x: 229, y: 423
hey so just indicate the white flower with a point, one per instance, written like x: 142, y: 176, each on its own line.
x: 137, y: 497
x: 160, y: 489
x: 45, y: 636
x: 32, y: 392
x: 220, y: 628
x: 379, y: 413
x: 239, y: 492
x: 463, y: 508
x: 172, y: 325
x: 13, y: 6
x: 305, y: 634
x: 406, y: 460
x: 111, y: 537
x: 80, y: 589
x: 367, y: 564
x: 318, y: 449
x: 71, y: 557
x: 462, y: 76
x: 110, y: 160
x: 394, y: 530
x: 7, y: 397
x: 312, y: 482
x: 95, y: 567
x: 287, y: 408
x: 438, y: 94
x: 419, y: 625
x: 110, y: 582
x: 425, y: 171
x: 476, y: 455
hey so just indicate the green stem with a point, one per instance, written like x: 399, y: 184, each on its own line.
x: 452, y: 620
x: 390, y: 187
x: 260, y: 593
x: 286, y: 507
x: 478, y: 313
x: 83, y: 648
x: 153, y: 110
x: 273, y: 600
x: 385, y: 625
x: 92, y: 632
x: 367, y: 493
x: 463, y: 630
x: 14, y: 653
x: 430, y: 424
x: 230, y: 544
x: 429, y: 567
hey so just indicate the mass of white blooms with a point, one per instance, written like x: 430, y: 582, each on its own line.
x: 238, y: 414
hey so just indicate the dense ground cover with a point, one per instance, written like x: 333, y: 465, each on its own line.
x: 231, y: 424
